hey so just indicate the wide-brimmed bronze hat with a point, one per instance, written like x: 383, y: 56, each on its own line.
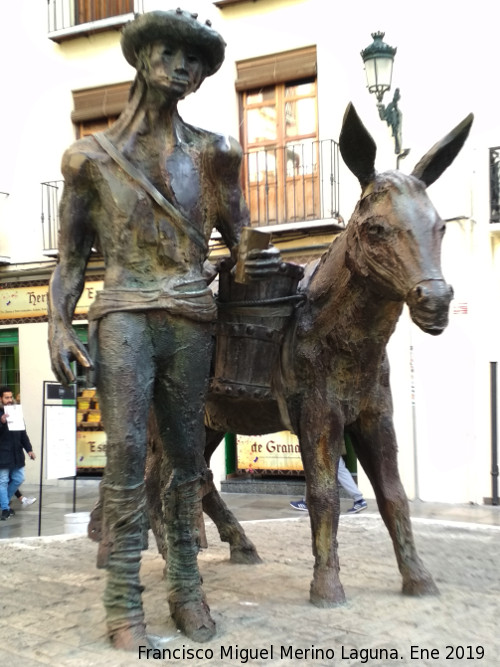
x: 175, y: 26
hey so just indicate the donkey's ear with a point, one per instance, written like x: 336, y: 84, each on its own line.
x: 442, y: 154
x: 357, y: 147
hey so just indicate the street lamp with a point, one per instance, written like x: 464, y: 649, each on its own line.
x: 378, y: 59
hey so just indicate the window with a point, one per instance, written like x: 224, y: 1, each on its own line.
x: 9, y: 359
x: 86, y: 128
x: 280, y: 137
x: 281, y: 152
x: 95, y: 109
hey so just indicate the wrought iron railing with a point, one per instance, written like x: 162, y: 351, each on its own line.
x: 292, y: 183
x: 51, y: 196
x: 495, y: 184
x: 64, y: 14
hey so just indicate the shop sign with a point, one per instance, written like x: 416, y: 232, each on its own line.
x: 21, y: 302
x: 274, y: 451
x: 90, y: 449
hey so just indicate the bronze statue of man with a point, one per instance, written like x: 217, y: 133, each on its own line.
x: 147, y: 193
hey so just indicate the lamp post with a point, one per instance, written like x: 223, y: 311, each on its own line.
x: 378, y: 59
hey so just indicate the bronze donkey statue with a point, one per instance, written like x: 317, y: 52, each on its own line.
x: 332, y: 374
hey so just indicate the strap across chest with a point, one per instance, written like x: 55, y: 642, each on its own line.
x: 183, y: 224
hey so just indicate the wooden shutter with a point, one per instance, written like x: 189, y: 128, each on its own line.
x: 94, y: 103
x: 95, y: 10
x: 276, y: 68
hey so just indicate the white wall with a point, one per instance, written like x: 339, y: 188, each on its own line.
x: 31, y: 132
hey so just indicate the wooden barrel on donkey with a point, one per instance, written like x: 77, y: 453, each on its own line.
x: 252, y: 320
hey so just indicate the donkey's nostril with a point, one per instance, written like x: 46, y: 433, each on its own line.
x: 431, y: 291
x: 421, y: 292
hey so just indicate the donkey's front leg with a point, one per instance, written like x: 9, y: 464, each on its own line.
x: 375, y: 444
x: 320, y: 445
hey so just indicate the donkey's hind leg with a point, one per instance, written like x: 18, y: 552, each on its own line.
x: 230, y: 530
x: 320, y: 436
x: 375, y: 445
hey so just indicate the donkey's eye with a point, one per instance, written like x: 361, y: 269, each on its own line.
x: 377, y: 230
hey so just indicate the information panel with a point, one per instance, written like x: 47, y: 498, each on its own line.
x: 60, y: 430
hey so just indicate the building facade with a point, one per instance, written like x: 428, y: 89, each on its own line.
x: 291, y: 68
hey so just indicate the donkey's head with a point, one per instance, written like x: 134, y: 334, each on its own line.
x: 395, y: 233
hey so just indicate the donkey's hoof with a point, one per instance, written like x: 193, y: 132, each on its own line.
x: 326, y: 603
x: 245, y: 556
x: 325, y: 594
x: 130, y: 638
x: 194, y: 620
x: 423, y: 586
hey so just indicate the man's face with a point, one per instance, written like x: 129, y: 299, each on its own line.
x: 7, y: 398
x: 175, y: 69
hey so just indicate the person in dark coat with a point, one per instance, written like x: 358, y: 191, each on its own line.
x: 13, y: 444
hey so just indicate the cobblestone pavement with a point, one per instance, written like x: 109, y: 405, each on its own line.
x: 51, y: 610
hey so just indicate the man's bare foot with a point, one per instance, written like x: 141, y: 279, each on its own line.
x: 130, y: 638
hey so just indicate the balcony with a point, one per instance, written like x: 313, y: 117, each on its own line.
x: 51, y: 196
x: 495, y: 184
x: 295, y: 187
x: 68, y: 19
x: 296, y: 183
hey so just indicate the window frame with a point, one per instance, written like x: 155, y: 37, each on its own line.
x: 290, y: 188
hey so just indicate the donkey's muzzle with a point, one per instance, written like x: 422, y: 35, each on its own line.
x: 429, y: 303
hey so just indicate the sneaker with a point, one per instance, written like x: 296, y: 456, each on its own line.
x: 358, y: 506
x: 27, y: 501
x: 11, y: 512
x: 299, y: 505
x: 5, y: 515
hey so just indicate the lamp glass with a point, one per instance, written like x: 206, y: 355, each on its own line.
x: 384, y: 72
x: 378, y: 75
